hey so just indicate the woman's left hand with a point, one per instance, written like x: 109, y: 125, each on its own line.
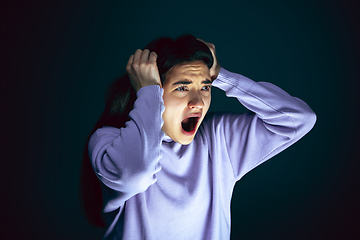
x: 215, y: 69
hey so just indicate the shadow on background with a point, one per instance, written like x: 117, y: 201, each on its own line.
x: 58, y: 57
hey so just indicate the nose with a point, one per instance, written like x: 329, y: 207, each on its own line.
x: 196, y: 101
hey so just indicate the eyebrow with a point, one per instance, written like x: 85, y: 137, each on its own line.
x: 187, y: 82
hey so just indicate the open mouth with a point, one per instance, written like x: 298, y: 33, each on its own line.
x: 188, y: 125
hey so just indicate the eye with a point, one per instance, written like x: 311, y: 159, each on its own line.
x: 206, y: 88
x: 181, y: 89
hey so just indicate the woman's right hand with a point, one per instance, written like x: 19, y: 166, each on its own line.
x: 142, y: 69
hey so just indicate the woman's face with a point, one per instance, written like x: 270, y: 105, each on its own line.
x: 187, y: 96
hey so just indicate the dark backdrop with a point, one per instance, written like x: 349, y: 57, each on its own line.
x: 58, y: 57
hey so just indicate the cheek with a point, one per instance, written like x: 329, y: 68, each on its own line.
x: 173, y: 109
x: 170, y: 104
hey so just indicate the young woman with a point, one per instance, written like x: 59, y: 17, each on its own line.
x: 167, y: 170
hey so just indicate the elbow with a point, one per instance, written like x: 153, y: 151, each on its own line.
x: 308, y: 121
x: 312, y: 119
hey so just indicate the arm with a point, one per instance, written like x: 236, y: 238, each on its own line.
x: 277, y: 121
x: 126, y: 159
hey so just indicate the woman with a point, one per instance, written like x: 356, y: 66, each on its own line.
x: 166, y: 169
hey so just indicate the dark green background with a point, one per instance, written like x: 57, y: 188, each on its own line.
x: 58, y: 57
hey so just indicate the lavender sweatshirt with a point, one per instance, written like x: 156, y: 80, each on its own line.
x: 189, y: 196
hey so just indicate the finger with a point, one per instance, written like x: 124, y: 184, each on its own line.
x: 130, y: 61
x: 153, y: 57
x: 145, y: 56
x: 210, y: 45
x: 137, y: 55
x: 200, y: 40
x: 206, y: 43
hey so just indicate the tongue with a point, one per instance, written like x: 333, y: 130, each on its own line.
x: 189, y: 124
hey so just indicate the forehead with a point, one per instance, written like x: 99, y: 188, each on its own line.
x: 196, y: 69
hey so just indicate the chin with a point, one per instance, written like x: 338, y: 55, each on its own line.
x: 182, y: 139
x: 186, y: 139
x: 185, y: 142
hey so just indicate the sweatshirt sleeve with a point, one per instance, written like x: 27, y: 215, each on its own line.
x: 276, y: 121
x: 126, y: 159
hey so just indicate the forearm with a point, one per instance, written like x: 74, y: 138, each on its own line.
x: 280, y: 112
x: 277, y: 121
x: 125, y: 159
